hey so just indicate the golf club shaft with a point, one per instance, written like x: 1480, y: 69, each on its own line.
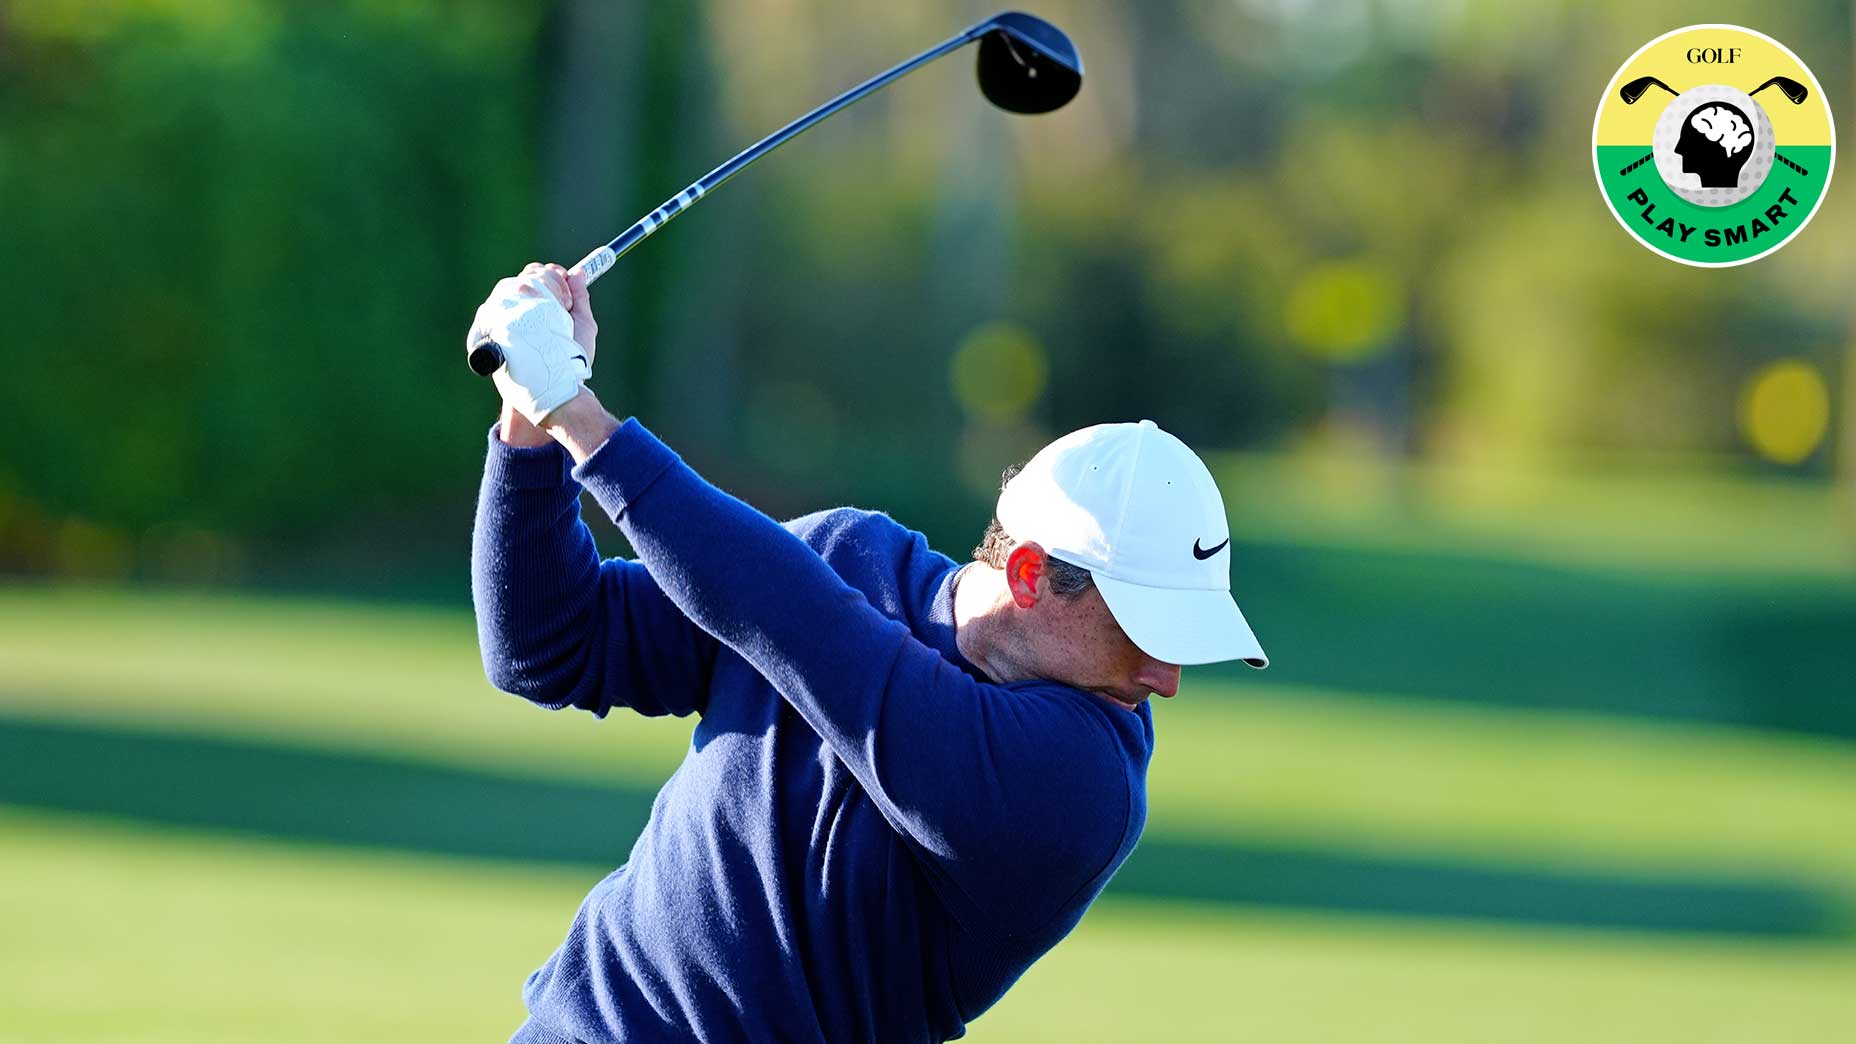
x: 596, y: 263
x: 487, y: 357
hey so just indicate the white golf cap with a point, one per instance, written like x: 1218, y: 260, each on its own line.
x: 1139, y: 510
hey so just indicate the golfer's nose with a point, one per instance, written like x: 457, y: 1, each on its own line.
x: 1158, y: 677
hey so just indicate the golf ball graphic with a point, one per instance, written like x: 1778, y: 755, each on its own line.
x: 1713, y: 145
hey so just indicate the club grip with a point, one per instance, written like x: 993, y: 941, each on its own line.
x: 486, y: 357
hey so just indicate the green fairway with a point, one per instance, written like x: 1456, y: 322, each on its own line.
x: 1682, y: 517
x: 207, y: 937
x: 117, y: 933
x: 1233, y: 759
x: 1521, y: 785
x: 405, y: 681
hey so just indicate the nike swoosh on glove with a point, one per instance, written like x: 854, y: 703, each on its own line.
x: 543, y: 365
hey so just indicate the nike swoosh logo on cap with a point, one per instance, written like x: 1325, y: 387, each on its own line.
x: 1204, y: 553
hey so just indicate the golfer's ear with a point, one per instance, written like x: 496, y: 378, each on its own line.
x: 1023, y: 567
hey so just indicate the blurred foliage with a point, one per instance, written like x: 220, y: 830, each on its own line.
x: 999, y: 372
x: 244, y: 238
x: 1784, y: 410
x: 232, y: 229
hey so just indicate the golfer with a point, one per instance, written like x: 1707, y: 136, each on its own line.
x: 910, y: 777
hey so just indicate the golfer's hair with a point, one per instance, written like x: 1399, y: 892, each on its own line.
x: 1066, y: 580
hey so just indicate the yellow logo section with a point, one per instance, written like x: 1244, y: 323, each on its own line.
x: 1620, y: 124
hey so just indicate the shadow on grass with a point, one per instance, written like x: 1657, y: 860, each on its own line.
x: 376, y: 802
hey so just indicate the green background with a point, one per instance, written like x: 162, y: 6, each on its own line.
x: 1558, y: 741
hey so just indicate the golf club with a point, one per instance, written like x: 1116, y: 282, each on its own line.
x: 1792, y: 88
x: 1026, y: 65
x: 1633, y: 90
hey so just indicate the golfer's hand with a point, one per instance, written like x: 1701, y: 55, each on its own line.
x: 544, y: 322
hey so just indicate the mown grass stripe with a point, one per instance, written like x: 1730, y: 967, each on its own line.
x: 350, y: 799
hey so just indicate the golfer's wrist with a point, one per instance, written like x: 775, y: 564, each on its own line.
x: 516, y: 430
x: 581, y: 424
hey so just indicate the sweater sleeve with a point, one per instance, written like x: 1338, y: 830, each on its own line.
x: 1014, y: 799
x: 555, y: 624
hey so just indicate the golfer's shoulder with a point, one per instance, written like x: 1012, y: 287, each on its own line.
x: 890, y: 563
x: 1116, y: 736
x: 851, y: 533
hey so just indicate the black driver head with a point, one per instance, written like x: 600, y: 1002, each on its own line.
x: 1794, y: 90
x: 1633, y: 90
x: 1027, y: 65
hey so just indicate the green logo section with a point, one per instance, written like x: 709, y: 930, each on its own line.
x: 1713, y: 145
x: 1671, y: 225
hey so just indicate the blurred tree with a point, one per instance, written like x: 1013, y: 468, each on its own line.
x: 270, y: 218
x: 1261, y: 224
x: 591, y: 60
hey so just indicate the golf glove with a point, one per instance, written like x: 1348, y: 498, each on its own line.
x: 543, y: 364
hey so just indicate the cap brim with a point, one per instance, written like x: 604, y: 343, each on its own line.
x: 1182, y: 625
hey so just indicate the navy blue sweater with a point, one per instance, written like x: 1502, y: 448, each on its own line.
x: 867, y: 840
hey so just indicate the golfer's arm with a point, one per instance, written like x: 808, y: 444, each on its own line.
x: 515, y: 430
x: 1013, y: 798
x: 580, y: 424
x: 556, y: 625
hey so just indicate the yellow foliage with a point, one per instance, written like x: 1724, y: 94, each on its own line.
x: 1344, y: 310
x: 1784, y: 411
x: 998, y: 371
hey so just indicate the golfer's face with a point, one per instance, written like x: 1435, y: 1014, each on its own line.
x: 1089, y: 651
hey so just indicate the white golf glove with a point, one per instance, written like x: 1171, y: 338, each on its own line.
x: 543, y: 364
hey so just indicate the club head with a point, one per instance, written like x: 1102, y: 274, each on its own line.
x: 1026, y: 64
x: 1633, y: 90
x: 1794, y: 90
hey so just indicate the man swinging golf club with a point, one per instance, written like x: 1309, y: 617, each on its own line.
x: 910, y: 777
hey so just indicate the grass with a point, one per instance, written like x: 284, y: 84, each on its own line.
x: 124, y: 934
x: 117, y: 933
x: 1248, y: 761
x: 400, y: 681
x: 1140, y: 971
x: 120, y: 932
x: 1527, y: 786
x: 1690, y: 517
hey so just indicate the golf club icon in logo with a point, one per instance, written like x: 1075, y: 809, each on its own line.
x: 1712, y: 197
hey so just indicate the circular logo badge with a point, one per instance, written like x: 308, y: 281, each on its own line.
x: 1713, y: 145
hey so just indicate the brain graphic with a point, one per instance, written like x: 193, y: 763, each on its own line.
x: 1724, y: 127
